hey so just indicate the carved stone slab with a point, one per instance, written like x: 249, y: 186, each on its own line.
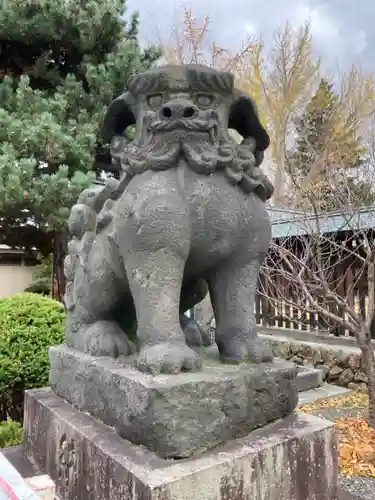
x: 175, y: 415
x: 293, y: 459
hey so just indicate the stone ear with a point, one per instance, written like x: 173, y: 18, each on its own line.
x: 118, y: 117
x: 244, y: 119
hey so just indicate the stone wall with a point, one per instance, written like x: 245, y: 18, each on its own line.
x: 341, y: 364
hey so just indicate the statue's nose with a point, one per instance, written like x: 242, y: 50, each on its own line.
x: 179, y: 108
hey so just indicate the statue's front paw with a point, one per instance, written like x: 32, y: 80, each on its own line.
x: 167, y: 358
x: 240, y: 349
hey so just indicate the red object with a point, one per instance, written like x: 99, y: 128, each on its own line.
x: 7, y: 489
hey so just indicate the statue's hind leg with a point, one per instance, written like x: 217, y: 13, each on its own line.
x: 101, y: 338
x: 155, y: 244
x: 96, y: 334
x: 91, y: 325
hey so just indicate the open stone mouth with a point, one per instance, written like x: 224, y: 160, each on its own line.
x: 211, y: 131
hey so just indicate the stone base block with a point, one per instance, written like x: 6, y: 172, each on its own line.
x: 291, y: 459
x: 176, y: 415
x: 308, y: 378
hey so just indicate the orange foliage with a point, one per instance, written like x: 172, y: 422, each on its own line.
x: 351, y: 400
x: 356, y: 438
x: 357, y: 447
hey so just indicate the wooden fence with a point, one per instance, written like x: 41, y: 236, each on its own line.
x: 279, y: 304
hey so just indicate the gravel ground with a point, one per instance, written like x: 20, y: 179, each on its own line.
x: 362, y: 488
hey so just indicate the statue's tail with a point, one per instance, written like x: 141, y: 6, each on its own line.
x: 92, y: 213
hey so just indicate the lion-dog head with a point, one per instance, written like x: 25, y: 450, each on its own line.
x: 186, y: 112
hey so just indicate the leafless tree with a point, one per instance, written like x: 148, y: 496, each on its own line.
x: 321, y: 270
x: 189, y: 42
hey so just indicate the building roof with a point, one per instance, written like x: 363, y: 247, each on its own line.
x: 5, y: 250
x: 292, y: 223
x: 16, y: 255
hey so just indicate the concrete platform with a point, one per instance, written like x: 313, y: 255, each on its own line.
x: 324, y: 392
x: 292, y: 459
x: 16, y: 456
x: 308, y: 378
x: 179, y: 415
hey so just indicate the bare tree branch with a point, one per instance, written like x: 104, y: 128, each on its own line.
x: 325, y: 266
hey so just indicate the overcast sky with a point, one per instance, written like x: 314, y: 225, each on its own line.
x: 343, y: 30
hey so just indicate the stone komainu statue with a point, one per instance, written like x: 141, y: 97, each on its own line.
x: 187, y: 214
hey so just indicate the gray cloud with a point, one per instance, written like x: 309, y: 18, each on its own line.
x: 342, y: 29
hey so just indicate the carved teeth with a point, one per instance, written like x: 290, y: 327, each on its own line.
x: 212, y: 130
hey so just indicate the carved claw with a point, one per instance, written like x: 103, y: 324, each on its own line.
x: 195, y: 335
x: 168, y: 358
x: 106, y: 338
x: 240, y: 349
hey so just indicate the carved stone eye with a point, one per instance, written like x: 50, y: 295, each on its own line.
x: 155, y: 101
x: 204, y: 100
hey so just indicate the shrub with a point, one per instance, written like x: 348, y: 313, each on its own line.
x: 11, y: 433
x: 42, y: 276
x: 29, y: 325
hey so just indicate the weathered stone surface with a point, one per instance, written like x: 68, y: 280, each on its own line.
x: 354, y: 362
x: 295, y: 348
x: 361, y: 377
x: 187, y: 215
x: 338, y: 358
x: 329, y: 357
x: 15, y: 455
x: 325, y: 369
x: 281, y: 350
x: 334, y: 373
x: 297, y: 360
x: 342, y: 358
x: 346, y: 377
x: 176, y: 415
x: 306, y: 352
x: 358, y: 386
x: 308, y: 378
x: 291, y: 459
x: 318, y: 357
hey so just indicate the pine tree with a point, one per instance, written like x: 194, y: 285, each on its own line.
x: 314, y: 128
x: 61, y: 64
x: 328, y: 155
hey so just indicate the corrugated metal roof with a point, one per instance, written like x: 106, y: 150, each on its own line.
x: 288, y: 223
x: 278, y: 214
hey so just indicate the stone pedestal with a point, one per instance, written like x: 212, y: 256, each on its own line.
x: 178, y: 415
x: 291, y: 459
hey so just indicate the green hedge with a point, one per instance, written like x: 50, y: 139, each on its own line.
x: 29, y: 325
x: 11, y: 433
